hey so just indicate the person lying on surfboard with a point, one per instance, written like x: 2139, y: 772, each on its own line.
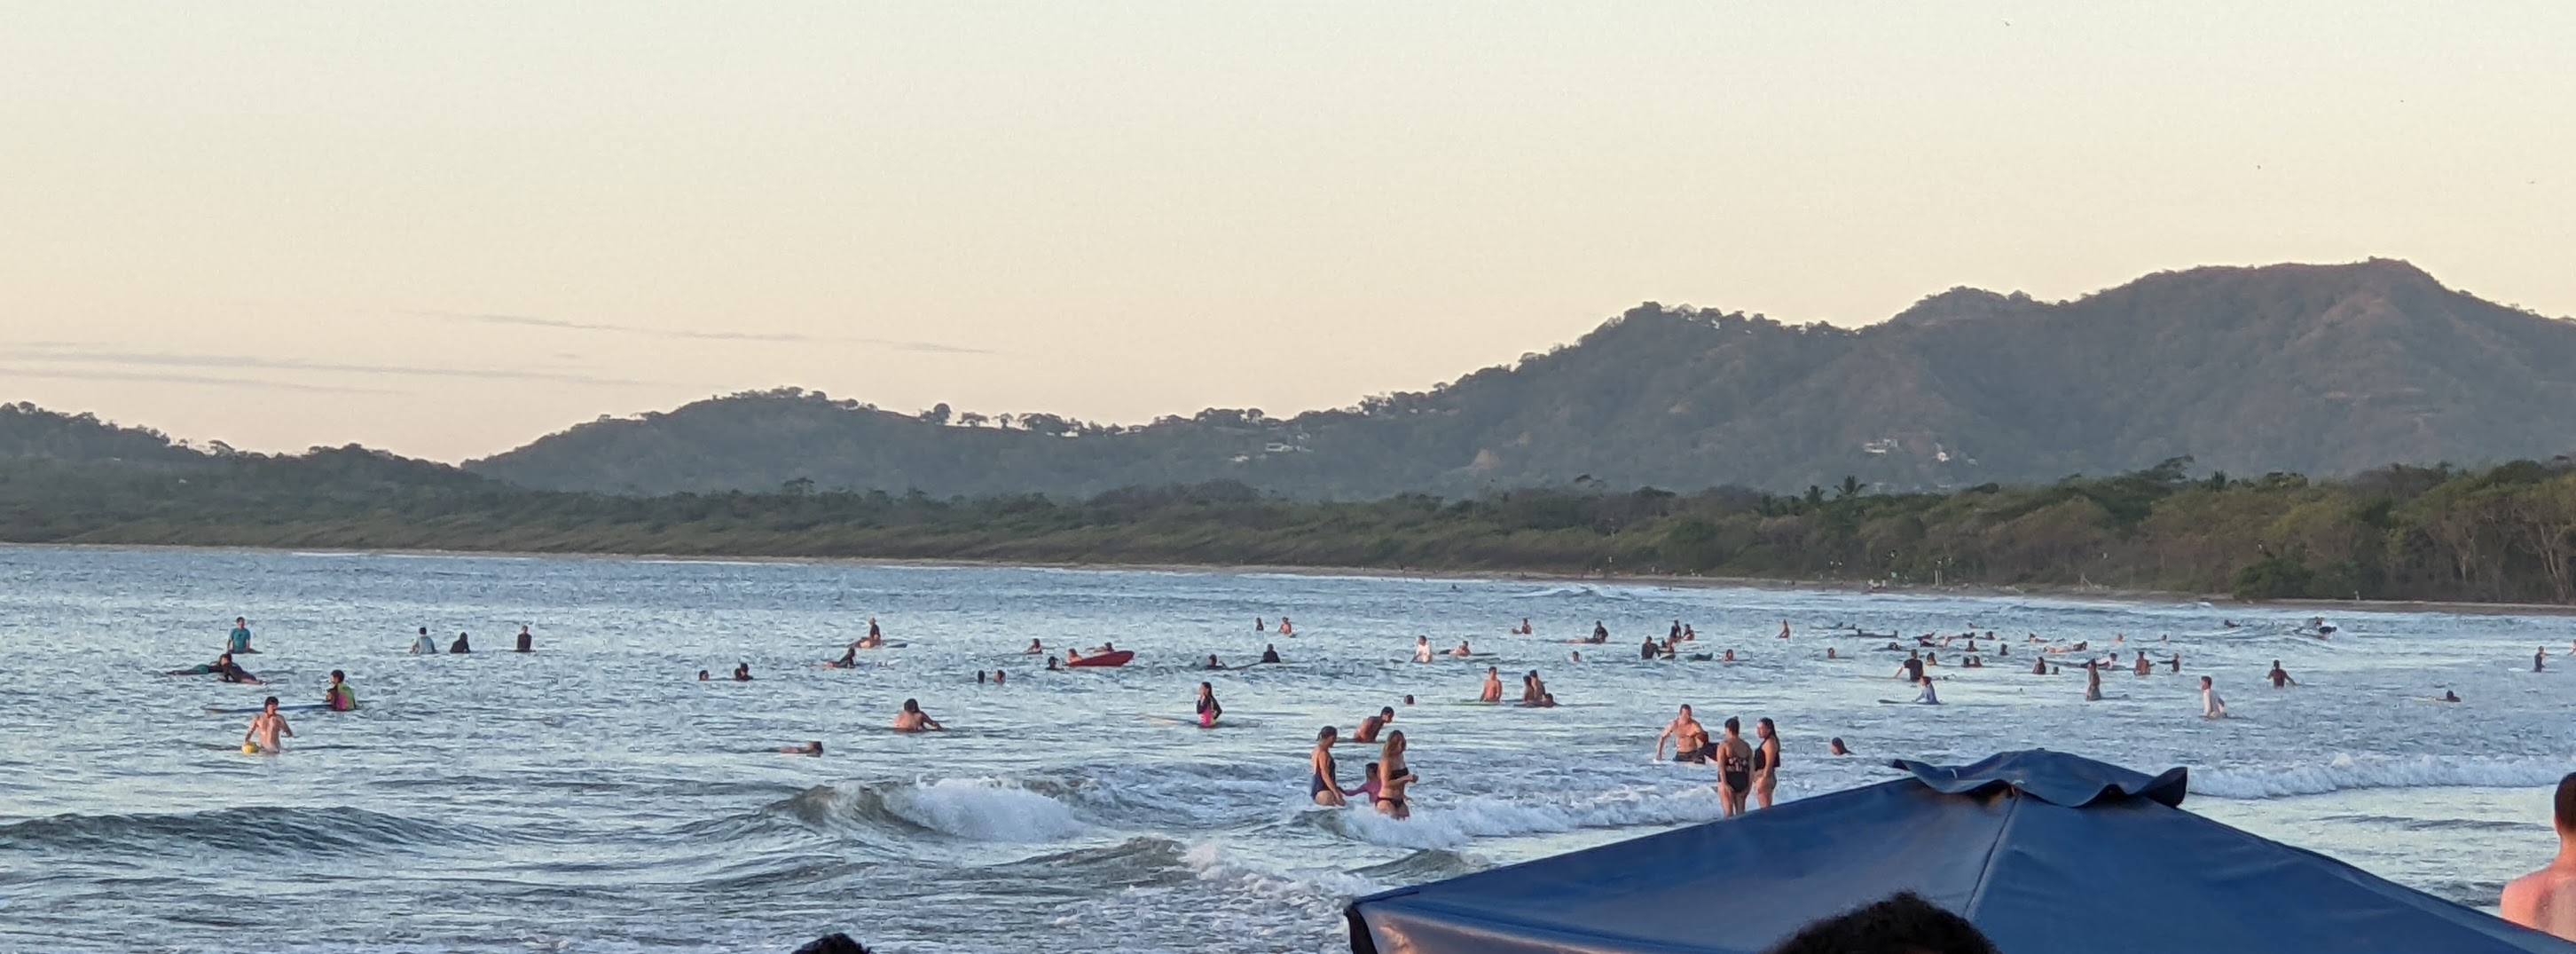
x: 809, y: 748
x: 912, y: 719
x: 1462, y: 651
x: 849, y: 659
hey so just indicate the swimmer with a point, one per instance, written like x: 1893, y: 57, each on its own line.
x: 1207, y: 706
x: 1035, y: 649
x: 1837, y: 747
x: 1408, y: 699
x: 2039, y: 667
x: 1648, y: 651
x: 1323, y: 785
x: 814, y: 748
x: 1734, y: 769
x: 1690, y: 740
x: 979, y: 677
x: 912, y: 719
x: 2545, y: 900
x: 2176, y: 662
x: 1462, y: 651
x: 1576, y: 656
x: 742, y: 673
x: 1260, y: 625
x: 1729, y: 657
x: 1422, y: 649
x: 460, y: 646
x: 1766, y: 759
x: 527, y: 641
x: 1493, y: 691
x: 2537, y: 657
x: 425, y: 645
x: 2280, y: 677
x: 1525, y: 627
x: 1051, y: 666
x: 2449, y: 696
x: 1531, y: 688
x: 1369, y: 785
x: 1286, y: 628
x: 339, y: 696
x: 1269, y: 653
x: 2144, y: 667
x: 702, y: 675
x: 2211, y: 707
x: 998, y: 675
x: 1830, y: 654
x: 1393, y: 779
x: 264, y: 730
x: 1371, y: 726
x: 2092, y: 682
x: 1212, y: 663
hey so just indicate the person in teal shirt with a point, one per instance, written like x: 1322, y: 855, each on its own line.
x: 241, y: 636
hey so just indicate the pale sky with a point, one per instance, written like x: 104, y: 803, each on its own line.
x: 446, y: 229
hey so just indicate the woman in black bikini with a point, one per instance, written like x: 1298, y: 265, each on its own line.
x: 1393, y: 778
x: 1324, y: 788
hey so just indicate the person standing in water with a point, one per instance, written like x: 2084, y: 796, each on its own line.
x: 2537, y: 657
x: 1208, y: 709
x: 1269, y: 652
x: 1493, y: 691
x: 339, y: 696
x: 460, y: 646
x: 2092, y: 682
x: 1035, y: 649
x: 912, y: 719
x: 264, y: 730
x: 425, y: 645
x: 1326, y: 785
x: 1784, y: 630
x: 2211, y: 707
x: 527, y: 641
x: 1371, y: 726
x: 1766, y: 761
x: 1734, y: 769
x: 1286, y: 628
x: 1689, y: 739
x: 742, y: 673
x: 240, y: 641
x: 1393, y: 778
x: 1422, y: 649
x: 2545, y: 900
x: 2280, y: 677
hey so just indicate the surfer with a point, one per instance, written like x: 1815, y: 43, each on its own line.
x: 1766, y: 759
x: 1393, y: 778
x: 874, y: 634
x: 912, y: 719
x: 2092, y: 682
x: 1422, y: 649
x: 1213, y: 663
x: 1325, y: 785
x: 1649, y: 650
x: 1525, y: 627
x: 1207, y: 706
x: 229, y: 671
x: 1371, y: 726
x: 1676, y: 633
x: 240, y: 641
x: 742, y: 673
x: 1269, y: 653
x: 527, y: 641
x: 1689, y: 739
x: 460, y: 646
x: 1911, y: 670
x: 1260, y: 625
x: 1689, y: 635
x: 2449, y: 696
x: 870, y: 641
x: 2039, y: 667
x: 339, y: 696
x: 849, y: 659
x: 1928, y: 696
x: 2175, y: 662
x: 1462, y: 651
x: 265, y: 727
x: 998, y: 676
x: 1734, y: 768
x: 2545, y: 900
x: 1493, y: 691
x: 814, y: 748
x: 425, y: 645
x: 1035, y: 649
x: 1600, y: 633
x: 2211, y: 707
x: 2280, y: 677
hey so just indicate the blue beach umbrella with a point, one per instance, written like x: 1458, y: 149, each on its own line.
x: 2028, y: 845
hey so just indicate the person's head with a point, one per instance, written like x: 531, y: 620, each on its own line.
x: 1408, y: 700
x: 2566, y: 806
x: 1686, y: 710
x: 1369, y: 771
x: 1327, y: 735
x: 424, y: 630
x: 2204, y: 682
x: 338, y: 676
x: 1734, y: 725
x: 523, y: 627
x: 1495, y: 671
x: 1763, y: 727
x: 912, y: 705
x: 2276, y: 664
x: 270, y: 704
x: 1418, y: 640
x: 702, y: 675
x: 224, y: 660
x: 1386, y: 712
x: 1903, y: 924
x: 815, y: 746
x: 1204, y: 688
x: 241, y: 620
x: 1838, y: 747
x: 1394, y: 745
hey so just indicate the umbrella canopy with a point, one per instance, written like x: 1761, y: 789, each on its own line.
x: 2043, y: 851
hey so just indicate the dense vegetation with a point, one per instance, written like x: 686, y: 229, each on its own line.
x: 2506, y: 533
x: 2325, y: 370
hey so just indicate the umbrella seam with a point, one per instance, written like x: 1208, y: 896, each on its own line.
x: 1986, y: 869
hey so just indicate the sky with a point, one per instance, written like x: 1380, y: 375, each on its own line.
x: 448, y: 229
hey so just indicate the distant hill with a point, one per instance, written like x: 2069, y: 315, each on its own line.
x: 2322, y: 369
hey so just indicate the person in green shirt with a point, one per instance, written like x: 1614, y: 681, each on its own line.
x: 340, y: 697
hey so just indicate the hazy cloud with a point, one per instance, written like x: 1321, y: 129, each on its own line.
x: 77, y: 374
x: 771, y: 337
x: 65, y: 353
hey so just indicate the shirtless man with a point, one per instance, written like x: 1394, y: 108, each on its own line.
x: 1766, y: 761
x: 264, y: 730
x: 1462, y: 651
x: 1493, y: 685
x: 1689, y: 738
x: 2144, y: 667
x: 1371, y: 726
x: 2280, y: 677
x: 1734, y: 768
x: 2211, y: 707
x: 1532, y: 688
x: 912, y: 719
x: 2545, y: 900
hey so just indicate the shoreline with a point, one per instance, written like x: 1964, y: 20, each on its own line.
x: 1972, y: 591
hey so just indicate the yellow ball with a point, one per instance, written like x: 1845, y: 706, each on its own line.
x: 250, y: 748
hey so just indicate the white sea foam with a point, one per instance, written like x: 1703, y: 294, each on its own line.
x: 2347, y: 771
x: 1457, y: 824
x: 985, y: 810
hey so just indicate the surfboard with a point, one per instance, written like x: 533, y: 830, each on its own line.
x: 1119, y: 658
x: 255, y: 710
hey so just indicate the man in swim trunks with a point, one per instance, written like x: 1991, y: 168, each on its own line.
x: 1371, y: 726
x: 1322, y: 785
x: 2545, y: 900
x: 1269, y: 653
x: 240, y: 642
x: 1734, y: 768
x: 2280, y: 677
x: 2210, y: 705
x: 1766, y: 761
x: 339, y: 696
x: 1690, y: 740
x: 1493, y: 691
x: 912, y: 719
x: 265, y: 728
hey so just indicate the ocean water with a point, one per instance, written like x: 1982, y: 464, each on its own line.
x: 594, y: 796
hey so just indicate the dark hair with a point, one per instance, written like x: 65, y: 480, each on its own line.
x: 911, y: 705
x: 272, y: 700
x: 2567, y: 802
x: 1388, y: 711
x: 1732, y: 725
x: 1326, y: 733
x: 1903, y: 924
x: 336, y: 674
x: 1765, y: 722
